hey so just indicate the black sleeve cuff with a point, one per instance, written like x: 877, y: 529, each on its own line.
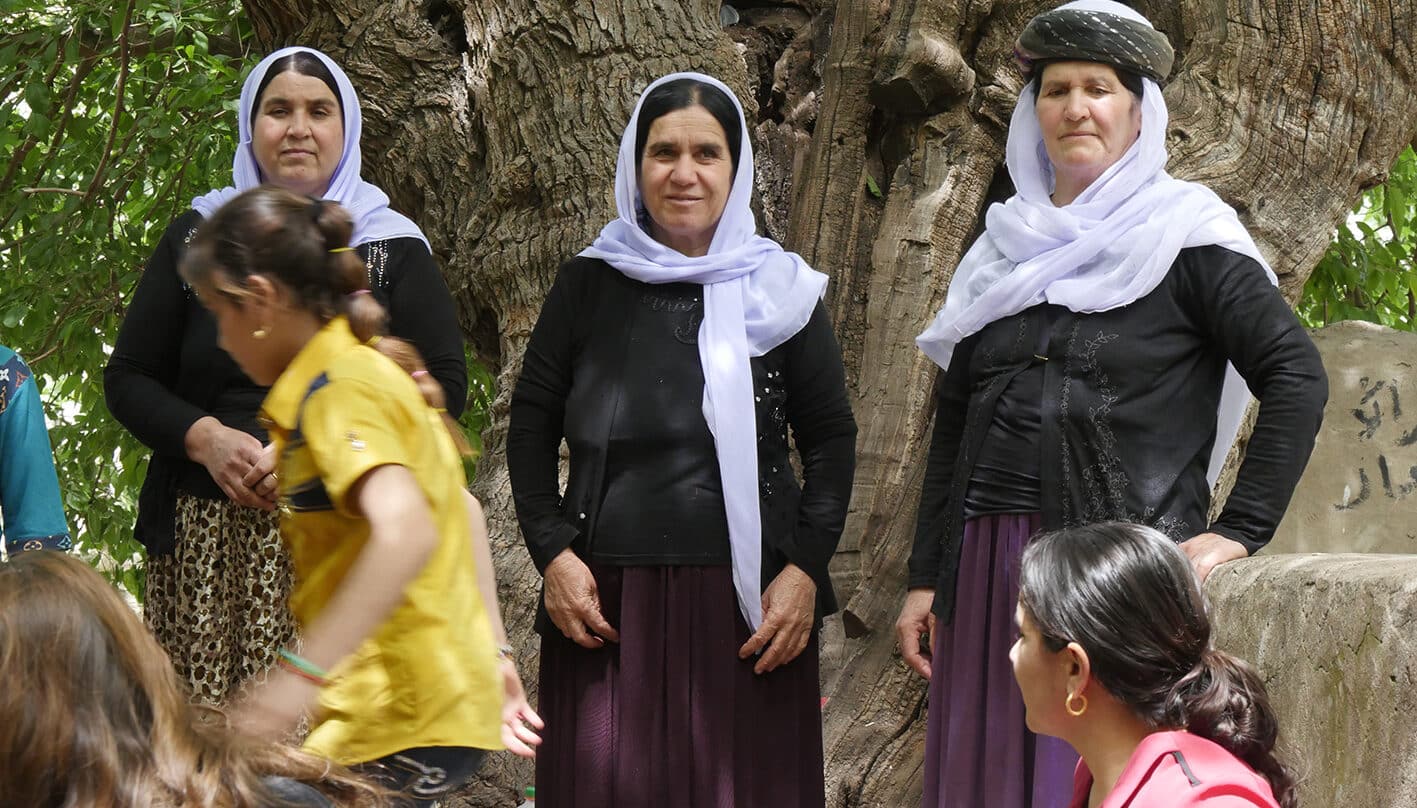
x: 1252, y: 546
x: 551, y: 543
x: 814, y: 564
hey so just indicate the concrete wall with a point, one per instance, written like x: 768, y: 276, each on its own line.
x: 1335, y: 638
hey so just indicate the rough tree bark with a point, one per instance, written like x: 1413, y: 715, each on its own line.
x: 880, y: 129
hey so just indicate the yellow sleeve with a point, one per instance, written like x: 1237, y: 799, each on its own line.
x: 352, y: 427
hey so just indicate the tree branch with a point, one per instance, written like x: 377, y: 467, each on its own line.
x: 18, y: 158
x: 94, y: 42
x: 81, y: 73
x: 69, y: 191
x: 123, y: 65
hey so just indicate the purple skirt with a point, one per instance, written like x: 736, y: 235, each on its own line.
x: 670, y: 715
x: 978, y: 752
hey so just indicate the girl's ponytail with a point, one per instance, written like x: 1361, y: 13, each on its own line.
x: 1128, y: 596
x: 367, y: 318
x: 1223, y: 700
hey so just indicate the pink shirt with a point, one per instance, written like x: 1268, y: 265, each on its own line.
x: 1179, y: 770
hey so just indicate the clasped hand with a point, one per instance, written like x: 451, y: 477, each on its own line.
x: 237, y: 462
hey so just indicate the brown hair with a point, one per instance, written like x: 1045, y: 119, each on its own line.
x: 1128, y: 596
x: 94, y: 714
x: 304, y: 244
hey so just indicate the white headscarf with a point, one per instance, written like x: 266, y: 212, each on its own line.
x: 756, y: 297
x: 1110, y: 247
x: 374, y: 220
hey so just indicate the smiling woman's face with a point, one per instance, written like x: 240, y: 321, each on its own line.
x: 1088, y: 118
x: 686, y: 172
x: 298, y: 134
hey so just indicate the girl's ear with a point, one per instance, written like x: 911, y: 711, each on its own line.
x: 266, y: 294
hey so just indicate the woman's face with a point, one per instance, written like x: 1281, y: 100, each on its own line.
x: 686, y: 172
x: 1088, y: 118
x: 1041, y: 675
x: 298, y: 133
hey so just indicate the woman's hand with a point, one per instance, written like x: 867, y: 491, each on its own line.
x: 261, y: 479
x: 915, y: 625
x: 1209, y: 550
x: 573, y: 602
x: 520, y: 723
x: 789, y: 604
x: 272, y: 711
x: 228, y: 455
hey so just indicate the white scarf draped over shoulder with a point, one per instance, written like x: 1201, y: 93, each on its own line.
x: 756, y: 297
x: 367, y: 204
x: 1111, y: 246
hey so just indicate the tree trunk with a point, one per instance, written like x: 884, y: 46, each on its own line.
x: 879, y: 128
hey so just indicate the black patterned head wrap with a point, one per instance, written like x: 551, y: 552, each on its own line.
x: 1095, y: 31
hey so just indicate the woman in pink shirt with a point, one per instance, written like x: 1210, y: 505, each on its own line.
x: 1114, y: 657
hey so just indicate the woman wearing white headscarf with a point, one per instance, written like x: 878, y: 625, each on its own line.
x: 1096, y: 343
x: 218, y: 577
x: 685, y: 569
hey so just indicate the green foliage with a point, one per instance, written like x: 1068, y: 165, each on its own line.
x: 113, y: 117
x: 477, y: 415
x: 1367, y: 273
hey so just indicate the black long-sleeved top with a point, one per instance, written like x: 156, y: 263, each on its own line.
x: 663, y: 495
x: 594, y: 325
x: 166, y: 371
x: 1128, y: 411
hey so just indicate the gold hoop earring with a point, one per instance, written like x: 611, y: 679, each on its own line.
x: 260, y: 333
x: 1068, y: 704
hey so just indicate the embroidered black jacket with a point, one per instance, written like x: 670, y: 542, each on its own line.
x: 1128, y: 411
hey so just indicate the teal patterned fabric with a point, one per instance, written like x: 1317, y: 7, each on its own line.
x: 31, y: 508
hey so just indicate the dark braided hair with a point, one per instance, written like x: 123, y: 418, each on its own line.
x: 1128, y: 596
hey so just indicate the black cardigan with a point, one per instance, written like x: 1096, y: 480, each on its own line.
x: 1128, y: 415
x: 166, y: 371
x: 567, y: 389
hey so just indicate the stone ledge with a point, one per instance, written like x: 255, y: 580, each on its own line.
x: 1335, y: 638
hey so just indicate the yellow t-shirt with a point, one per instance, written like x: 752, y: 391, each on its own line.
x: 428, y: 675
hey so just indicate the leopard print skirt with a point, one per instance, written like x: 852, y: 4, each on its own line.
x: 220, y: 603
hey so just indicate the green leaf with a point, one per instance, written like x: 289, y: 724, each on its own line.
x: 115, y: 22
x: 872, y: 187
x: 14, y: 315
x: 37, y: 97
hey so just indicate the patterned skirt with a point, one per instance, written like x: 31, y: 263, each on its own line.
x: 670, y: 715
x: 220, y: 603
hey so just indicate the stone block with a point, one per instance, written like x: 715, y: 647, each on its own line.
x: 1359, y: 491
x: 1335, y: 639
